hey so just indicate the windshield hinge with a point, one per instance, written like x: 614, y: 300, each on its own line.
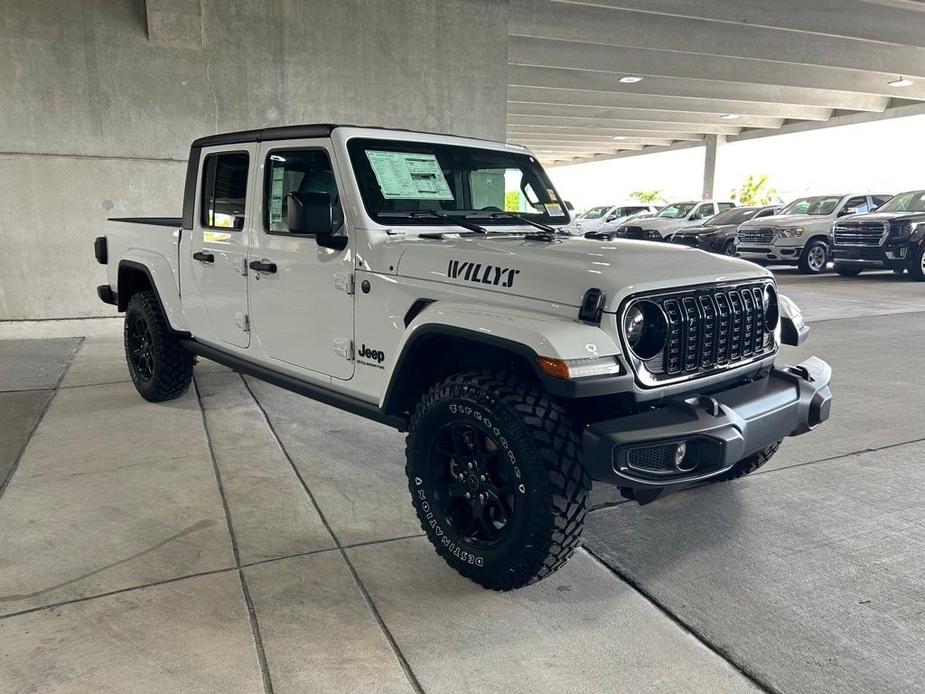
x: 344, y: 281
x: 343, y: 347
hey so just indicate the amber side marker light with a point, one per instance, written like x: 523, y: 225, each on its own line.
x: 567, y: 369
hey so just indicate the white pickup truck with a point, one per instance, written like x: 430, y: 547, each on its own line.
x: 423, y: 281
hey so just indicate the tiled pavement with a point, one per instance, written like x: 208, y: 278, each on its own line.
x: 243, y: 539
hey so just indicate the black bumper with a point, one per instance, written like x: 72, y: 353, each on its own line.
x: 717, y: 431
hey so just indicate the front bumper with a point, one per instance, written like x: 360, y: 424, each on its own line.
x: 717, y: 430
x: 769, y: 253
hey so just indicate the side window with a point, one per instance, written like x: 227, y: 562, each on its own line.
x: 723, y: 206
x: 224, y: 190
x: 294, y: 171
x: 859, y: 203
x: 764, y: 213
x: 702, y: 211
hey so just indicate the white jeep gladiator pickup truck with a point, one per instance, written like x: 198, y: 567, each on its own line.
x: 423, y: 281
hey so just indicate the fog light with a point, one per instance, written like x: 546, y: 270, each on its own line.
x: 680, y: 453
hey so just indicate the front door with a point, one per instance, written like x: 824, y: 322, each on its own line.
x: 217, y: 306
x: 301, y: 293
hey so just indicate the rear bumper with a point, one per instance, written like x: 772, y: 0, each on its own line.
x: 717, y: 430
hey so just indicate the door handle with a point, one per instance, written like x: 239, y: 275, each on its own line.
x: 261, y: 266
x: 203, y: 257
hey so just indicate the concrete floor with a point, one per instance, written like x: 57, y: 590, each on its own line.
x: 245, y: 539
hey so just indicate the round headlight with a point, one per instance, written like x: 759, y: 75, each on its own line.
x: 771, y: 309
x: 645, y: 329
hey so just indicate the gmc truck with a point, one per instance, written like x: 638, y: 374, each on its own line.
x: 424, y: 281
x: 893, y: 237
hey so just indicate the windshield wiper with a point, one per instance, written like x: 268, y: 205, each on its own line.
x: 511, y: 215
x: 424, y: 214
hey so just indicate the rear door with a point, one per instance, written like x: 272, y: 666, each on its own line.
x: 216, y: 306
x: 302, y: 307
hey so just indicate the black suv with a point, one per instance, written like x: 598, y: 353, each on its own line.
x: 891, y: 237
x: 718, y: 233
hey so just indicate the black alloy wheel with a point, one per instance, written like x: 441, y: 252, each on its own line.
x: 474, y: 489
x: 141, y: 352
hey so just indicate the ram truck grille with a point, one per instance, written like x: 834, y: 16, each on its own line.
x: 860, y: 233
x: 755, y: 235
x: 710, y: 329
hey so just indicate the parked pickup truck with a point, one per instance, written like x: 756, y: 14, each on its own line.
x: 423, y: 281
x: 892, y: 237
x: 800, y: 233
x: 671, y: 218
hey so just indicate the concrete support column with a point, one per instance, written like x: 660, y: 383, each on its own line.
x: 713, y: 143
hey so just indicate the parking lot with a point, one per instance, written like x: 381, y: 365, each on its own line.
x: 243, y: 538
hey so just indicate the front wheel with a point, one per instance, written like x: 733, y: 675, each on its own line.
x: 814, y: 258
x: 730, y: 248
x: 159, y: 366
x: 495, y: 474
x: 848, y: 270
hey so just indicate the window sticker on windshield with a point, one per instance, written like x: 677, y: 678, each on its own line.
x: 554, y: 209
x: 409, y: 175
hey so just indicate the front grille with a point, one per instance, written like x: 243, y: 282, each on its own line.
x: 657, y: 459
x: 860, y: 233
x: 709, y: 328
x: 756, y: 235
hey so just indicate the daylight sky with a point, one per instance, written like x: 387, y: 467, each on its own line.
x: 881, y: 157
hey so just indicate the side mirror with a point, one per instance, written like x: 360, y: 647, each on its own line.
x: 569, y: 206
x: 849, y: 210
x: 610, y: 218
x: 317, y: 215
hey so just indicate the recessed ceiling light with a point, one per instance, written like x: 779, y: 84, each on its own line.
x: 619, y: 137
x: 729, y: 116
x: 631, y: 79
x: 901, y: 82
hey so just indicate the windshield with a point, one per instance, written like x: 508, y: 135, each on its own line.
x: 677, y: 211
x: 595, y: 213
x: 913, y: 201
x: 820, y: 205
x: 736, y: 215
x: 397, y: 178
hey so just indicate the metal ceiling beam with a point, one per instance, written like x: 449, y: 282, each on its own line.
x: 581, y: 99
x: 591, y: 139
x: 602, y: 81
x: 519, y: 131
x: 618, y: 27
x: 717, y: 128
x: 539, y: 112
x: 649, y: 62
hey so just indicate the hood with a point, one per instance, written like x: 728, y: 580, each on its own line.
x: 789, y: 220
x: 662, y: 223
x: 884, y: 217
x: 697, y: 231
x: 561, y: 271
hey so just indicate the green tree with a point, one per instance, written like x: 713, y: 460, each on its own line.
x: 648, y: 196
x: 755, y: 190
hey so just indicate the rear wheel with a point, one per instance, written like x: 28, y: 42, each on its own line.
x: 750, y: 464
x: 159, y: 366
x: 496, y: 478
x: 848, y: 270
x: 814, y: 257
x: 917, y: 266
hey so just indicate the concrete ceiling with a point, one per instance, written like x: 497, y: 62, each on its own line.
x: 767, y: 66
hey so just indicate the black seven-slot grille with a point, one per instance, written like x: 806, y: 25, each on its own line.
x: 859, y: 233
x: 711, y: 328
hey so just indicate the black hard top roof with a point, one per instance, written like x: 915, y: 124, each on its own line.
x: 292, y: 132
